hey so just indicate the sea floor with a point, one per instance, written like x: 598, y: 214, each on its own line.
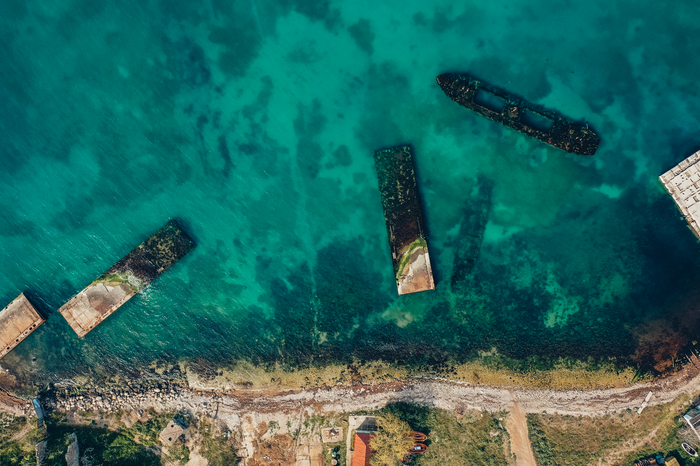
x: 255, y: 122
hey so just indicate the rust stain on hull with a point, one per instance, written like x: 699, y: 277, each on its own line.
x: 510, y: 110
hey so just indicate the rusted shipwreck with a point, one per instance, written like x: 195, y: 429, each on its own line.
x: 404, y: 220
x: 17, y: 321
x: 126, y: 278
x: 510, y: 110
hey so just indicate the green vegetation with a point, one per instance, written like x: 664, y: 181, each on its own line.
x: 340, y: 450
x: 124, y: 277
x: 177, y: 454
x: 146, y: 433
x: 17, y: 452
x: 469, y: 437
x: 218, y: 450
x: 619, y: 438
x: 99, y: 445
x: 391, y: 442
x: 418, y: 243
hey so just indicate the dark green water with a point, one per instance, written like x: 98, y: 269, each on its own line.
x: 254, y: 122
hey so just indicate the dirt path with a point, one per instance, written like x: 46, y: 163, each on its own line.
x: 626, y: 448
x: 516, y: 425
x: 12, y: 405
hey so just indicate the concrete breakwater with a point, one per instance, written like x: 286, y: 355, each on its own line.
x: 127, y: 277
x: 404, y: 220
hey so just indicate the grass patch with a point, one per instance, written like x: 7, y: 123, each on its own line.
x: 570, y: 440
x: 339, y: 449
x: 146, y: 433
x: 474, y: 437
x: 177, y: 454
x: 101, y: 446
x: 218, y: 450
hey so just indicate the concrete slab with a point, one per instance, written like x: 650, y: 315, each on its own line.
x: 17, y: 321
x: 127, y: 277
x: 172, y: 433
x: 683, y: 184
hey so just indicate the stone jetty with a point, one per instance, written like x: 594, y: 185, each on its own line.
x: 17, y: 321
x: 126, y: 278
x: 404, y: 220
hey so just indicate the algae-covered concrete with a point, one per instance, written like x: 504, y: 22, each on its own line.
x: 17, y: 321
x: 126, y: 278
x: 404, y: 220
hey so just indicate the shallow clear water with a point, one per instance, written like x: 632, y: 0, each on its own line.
x: 254, y: 122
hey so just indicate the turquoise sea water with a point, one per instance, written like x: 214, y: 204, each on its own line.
x: 255, y: 121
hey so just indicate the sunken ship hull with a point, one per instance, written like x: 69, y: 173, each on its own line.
x: 404, y: 220
x: 508, y: 109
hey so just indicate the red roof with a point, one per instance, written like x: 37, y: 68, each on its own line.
x: 361, y: 453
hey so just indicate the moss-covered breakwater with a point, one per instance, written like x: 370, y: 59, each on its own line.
x: 126, y: 278
x: 404, y: 220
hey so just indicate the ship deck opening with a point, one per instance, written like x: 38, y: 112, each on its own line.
x: 489, y: 100
x: 536, y: 121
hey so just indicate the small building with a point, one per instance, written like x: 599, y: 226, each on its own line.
x: 361, y: 450
x: 692, y: 418
x: 17, y: 320
x: 172, y: 433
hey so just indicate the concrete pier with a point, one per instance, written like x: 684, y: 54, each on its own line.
x: 683, y: 184
x: 404, y: 220
x: 17, y: 321
x: 126, y: 278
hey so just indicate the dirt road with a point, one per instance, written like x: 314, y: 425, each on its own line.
x: 516, y: 425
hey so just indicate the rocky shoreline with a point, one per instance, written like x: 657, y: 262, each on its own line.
x: 241, y: 412
x: 174, y: 395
